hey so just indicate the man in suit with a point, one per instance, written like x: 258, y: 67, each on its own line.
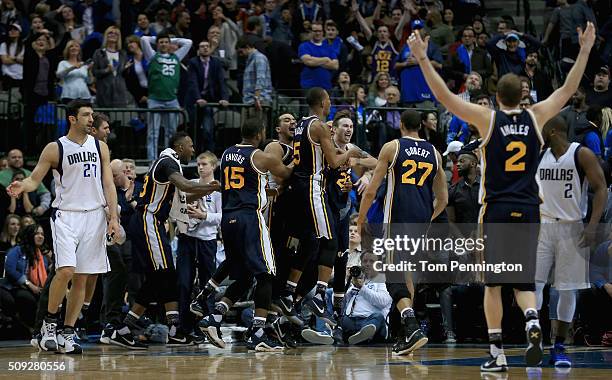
x: 206, y: 85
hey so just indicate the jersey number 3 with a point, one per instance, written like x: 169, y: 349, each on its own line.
x: 512, y: 163
x: 412, y: 165
x: 235, y: 179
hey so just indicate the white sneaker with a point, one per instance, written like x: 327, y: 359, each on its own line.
x: 48, y: 338
x: 366, y: 333
x: 67, y: 342
x: 317, y: 337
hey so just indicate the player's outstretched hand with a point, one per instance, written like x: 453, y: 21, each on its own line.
x: 587, y: 38
x: 418, y: 46
x: 15, y: 189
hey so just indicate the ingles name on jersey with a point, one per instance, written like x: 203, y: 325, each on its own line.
x: 513, y: 129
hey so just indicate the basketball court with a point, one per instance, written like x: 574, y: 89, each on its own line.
x: 311, y: 362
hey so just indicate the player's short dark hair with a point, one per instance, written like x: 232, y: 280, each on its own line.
x: 244, y: 43
x: 72, y: 108
x: 411, y: 120
x: 557, y: 123
x: 177, y: 139
x: 251, y: 127
x: 163, y: 34
x: 98, y: 119
x: 509, y: 90
x: 315, y: 96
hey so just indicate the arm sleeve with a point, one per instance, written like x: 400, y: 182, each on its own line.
x: 185, y: 46
x: 10, y: 267
x: 378, y: 297
x: 303, y: 50
x: 215, y: 217
x: 165, y: 169
x: 145, y: 43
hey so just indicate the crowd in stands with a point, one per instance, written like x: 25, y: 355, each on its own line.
x: 205, y: 55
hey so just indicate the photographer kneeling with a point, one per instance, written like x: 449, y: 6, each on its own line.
x: 366, y: 304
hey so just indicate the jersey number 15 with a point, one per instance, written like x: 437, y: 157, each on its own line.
x: 234, y: 178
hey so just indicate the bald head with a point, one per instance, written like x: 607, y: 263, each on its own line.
x: 119, y: 177
x: 15, y: 159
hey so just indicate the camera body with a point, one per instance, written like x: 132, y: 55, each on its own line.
x: 356, y: 271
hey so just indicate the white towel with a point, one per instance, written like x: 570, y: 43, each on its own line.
x: 178, y: 212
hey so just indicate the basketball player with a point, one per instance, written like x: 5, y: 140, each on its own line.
x: 150, y: 244
x: 313, y: 150
x: 248, y: 249
x: 416, y: 193
x: 83, y: 186
x: 509, y: 193
x: 566, y: 171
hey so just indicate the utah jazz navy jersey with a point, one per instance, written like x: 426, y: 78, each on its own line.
x: 243, y: 186
x: 510, y: 157
x: 336, y: 178
x: 307, y: 156
x: 410, y: 178
x: 157, y: 192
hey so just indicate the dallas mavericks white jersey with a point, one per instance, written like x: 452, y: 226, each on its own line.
x: 78, y: 177
x: 563, y: 185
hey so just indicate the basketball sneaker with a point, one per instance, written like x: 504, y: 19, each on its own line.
x: 179, y: 339
x: 196, y: 308
x: 125, y: 340
x: 319, y: 308
x: 283, y: 305
x: 107, y: 331
x: 212, y: 330
x: 263, y: 343
x: 317, y: 337
x: 495, y: 364
x: 534, y: 352
x: 558, y: 358
x: 48, y: 335
x: 67, y: 342
x: 412, y: 339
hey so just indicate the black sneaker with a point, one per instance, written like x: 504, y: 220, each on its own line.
x: 283, y: 305
x: 127, y: 341
x: 212, y: 330
x: 319, y: 308
x: 81, y: 333
x: 179, y: 340
x: 198, y: 337
x: 264, y: 343
x: 196, y: 309
x: 495, y: 364
x: 412, y: 340
x: 534, y: 352
x: 106, y: 334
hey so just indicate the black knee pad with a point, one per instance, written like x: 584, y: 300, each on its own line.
x: 263, y: 291
x: 328, y: 252
x: 238, y: 288
x: 398, y: 291
x: 167, y: 285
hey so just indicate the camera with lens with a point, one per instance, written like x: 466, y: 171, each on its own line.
x: 356, y: 271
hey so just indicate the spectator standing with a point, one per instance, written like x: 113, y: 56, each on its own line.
x: 575, y: 114
x: 199, y: 243
x: 539, y: 82
x: 206, y: 85
x: 164, y: 78
x: 384, y: 54
x: 26, y: 270
x: 73, y: 74
x: 229, y: 33
x: 109, y: 63
x: 143, y: 27
x: 600, y: 94
x: 415, y: 91
x: 12, y: 53
x: 66, y: 22
x: 257, y: 80
x: 282, y: 29
x: 181, y: 27
x: 161, y: 20
x: 336, y: 43
x: 507, y: 53
x: 441, y: 34
x: 367, y: 304
x: 562, y: 18
x: 319, y: 59
x: 135, y: 72
x: 469, y: 57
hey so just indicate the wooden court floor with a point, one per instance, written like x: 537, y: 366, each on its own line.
x: 313, y: 362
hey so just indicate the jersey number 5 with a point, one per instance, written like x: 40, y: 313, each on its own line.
x: 235, y: 179
x: 512, y: 164
x: 296, y: 153
x: 408, y: 178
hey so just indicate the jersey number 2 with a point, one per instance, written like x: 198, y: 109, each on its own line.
x: 512, y: 164
x: 87, y: 168
x: 408, y: 178
x: 235, y: 180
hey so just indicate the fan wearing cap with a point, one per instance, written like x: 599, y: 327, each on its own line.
x: 414, y: 88
x: 508, y: 51
x: 600, y: 94
x: 11, y: 53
